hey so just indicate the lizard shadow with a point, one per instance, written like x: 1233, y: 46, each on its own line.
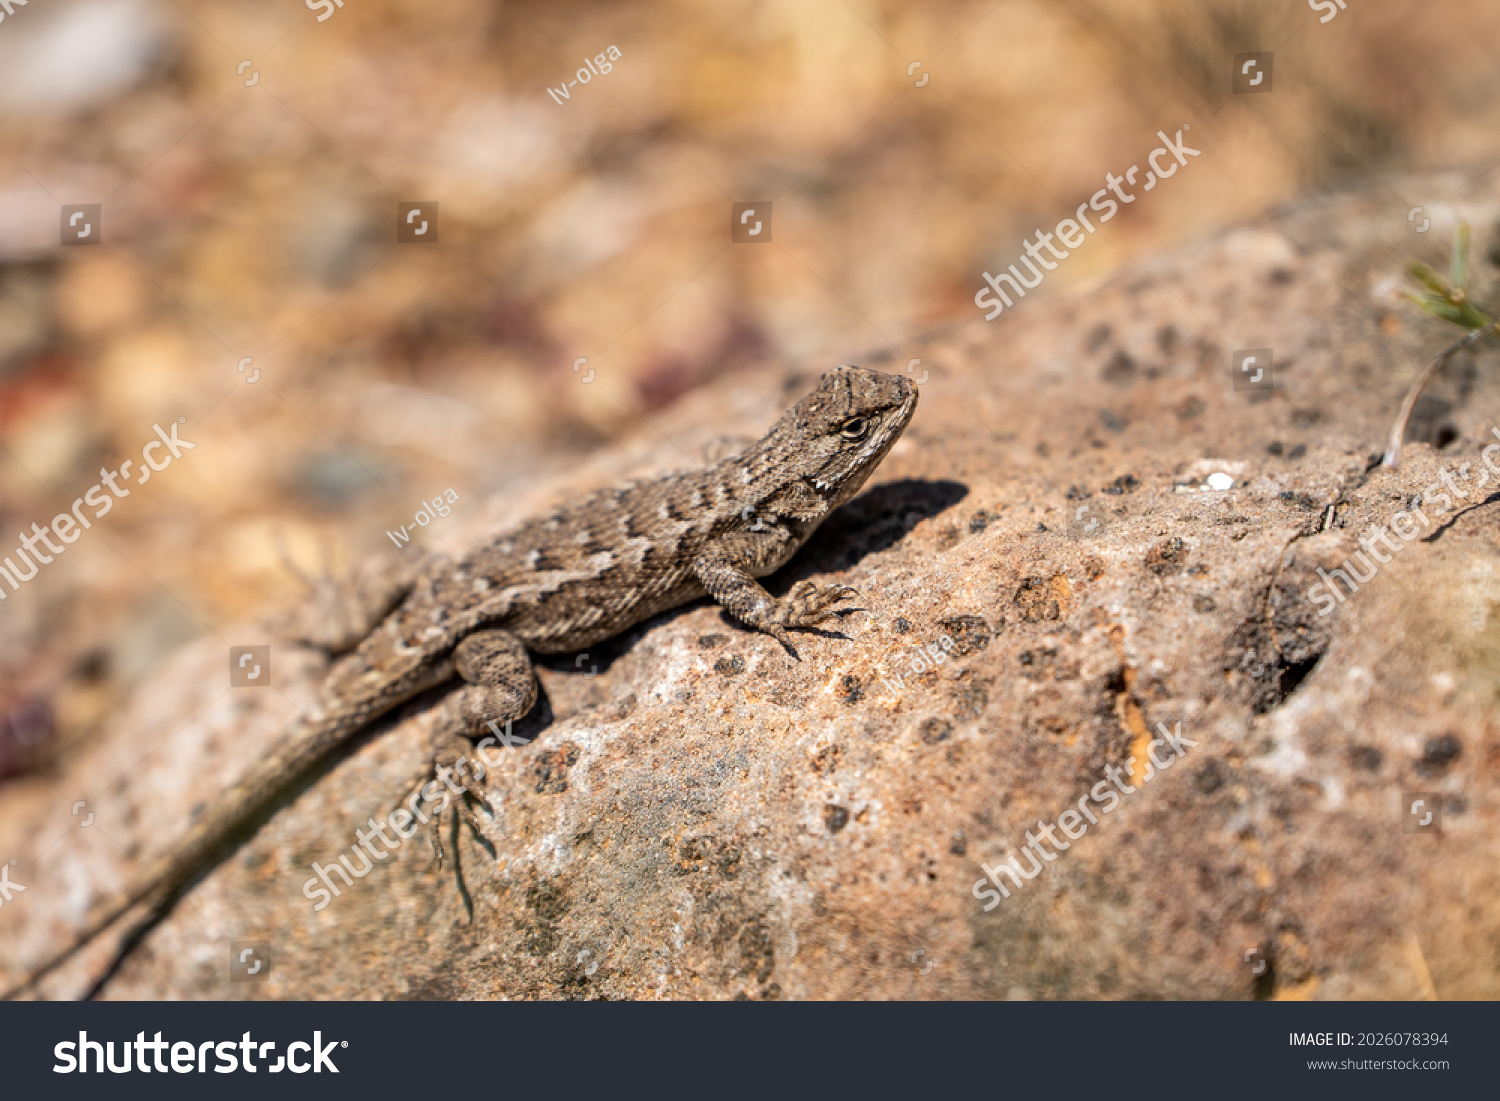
x: 871, y: 523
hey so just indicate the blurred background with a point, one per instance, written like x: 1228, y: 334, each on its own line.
x: 250, y: 159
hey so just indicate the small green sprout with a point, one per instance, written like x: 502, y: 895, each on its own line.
x: 1451, y: 303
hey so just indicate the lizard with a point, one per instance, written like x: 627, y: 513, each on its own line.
x: 560, y: 583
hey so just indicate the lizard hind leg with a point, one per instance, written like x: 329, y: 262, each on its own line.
x: 501, y: 687
x: 501, y: 684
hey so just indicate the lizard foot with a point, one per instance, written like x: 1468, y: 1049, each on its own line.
x: 462, y: 777
x: 807, y: 605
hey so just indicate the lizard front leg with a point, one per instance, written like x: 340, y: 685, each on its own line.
x: 727, y: 567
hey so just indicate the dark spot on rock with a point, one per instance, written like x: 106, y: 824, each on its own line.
x: 1293, y: 673
x: 1273, y: 448
x: 1301, y: 500
x: 1078, y: 493
x: 969, y: 633
x: 1189, y: 409
x: 1280, y: 277
x: 1275, y: 656
x: 1304, y: 418
x: 1297, y: 452
x: 1125, y: 483
x: 959, y: 845
x: 835, y: 817
x: 690, y: 855
x: 730, y: 665
x: 551, y: 769
x: 1111, y: 421
x: 969, y: 701
x: 1365, y: 757
x: 979, y: 521
x: 1098, y: 337
x: 758, y: 948
x: 545, y: 904
x: 1167, y: 558
x: 1120, y: 369
x: 850, y: 689
x: 1036, y: 600
x: 932, y: 731
x: 1438, y: 753
x: 827, y: 759
x: 1210, y: 777
x: 1166, y: 339
x: 708, y: 642
x: 707, y: 853
x: 771, y: 992
x: 1037, y: 664
x: 1204, y: 604
x: 902, y: 626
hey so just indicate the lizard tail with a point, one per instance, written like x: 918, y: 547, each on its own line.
x: 304, y: 744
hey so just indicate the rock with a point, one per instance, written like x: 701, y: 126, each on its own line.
x: 700, y: 817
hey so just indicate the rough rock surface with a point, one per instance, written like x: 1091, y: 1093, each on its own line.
x: 706, y: 819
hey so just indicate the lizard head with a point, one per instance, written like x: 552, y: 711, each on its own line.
x: 842, y: 430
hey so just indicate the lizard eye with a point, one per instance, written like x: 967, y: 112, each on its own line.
x: 854, y: 428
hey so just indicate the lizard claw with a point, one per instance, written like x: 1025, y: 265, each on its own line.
x: 807, y: 605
